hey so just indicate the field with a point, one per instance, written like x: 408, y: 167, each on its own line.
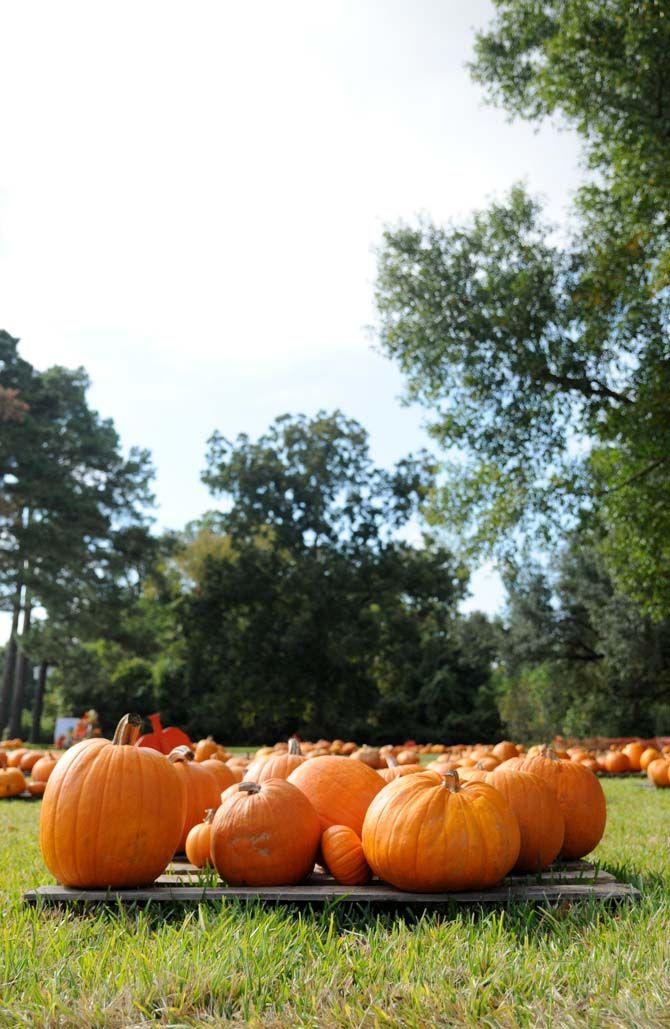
x: 573, y: 966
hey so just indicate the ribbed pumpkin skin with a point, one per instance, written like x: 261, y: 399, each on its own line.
x: 221, y: 772
x: 580, y: 797
x: 342, y: 851
x: 202, y: 792
x: 264, y: 838
x: 111, y: 815
x: 340, y: 790
x: 538, y: 813
x: 420, y: 836
x: 504, y: 750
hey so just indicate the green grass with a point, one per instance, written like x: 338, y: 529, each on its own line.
x: 585, y: 965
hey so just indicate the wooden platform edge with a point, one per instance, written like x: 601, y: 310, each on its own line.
x: 316, y: 894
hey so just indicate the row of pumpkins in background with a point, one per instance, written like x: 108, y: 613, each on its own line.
x: 113, y: 815
x: 25, y: 770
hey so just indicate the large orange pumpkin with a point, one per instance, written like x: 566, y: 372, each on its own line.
x: 658, y: 772
x: 616, y: 761
x: 43, y: 768
x: 12, y: 782
x: 199, y: 840
x: 580, y: 797
x: 538, y: 813
x: 264, y: 834
x: 504, y: 750
x: 112, y: 813
x: 342, y: 852
x: 202, y: 789
x: 647, y: 756
x: 205, y: 749
x: 224, y: 775
x: 634, y: 752
x: 280, y: 766
x: 427, y: 833
x: 339, y: 789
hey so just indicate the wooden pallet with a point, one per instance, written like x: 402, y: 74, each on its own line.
x: 184, y: 884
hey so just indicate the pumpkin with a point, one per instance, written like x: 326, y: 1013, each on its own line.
x: 112, y: 813
x: 12, y: 782
x: 30, y: 759
x: 504, y: 750
x: 265, y: 834
x: 658, y: 772
x: 396, y: 771
x: 339, y: 789
x: 342, y: 852
x: 647, y: 756
x: 222, y: 773
x: 634, y: 752
x: 370, y: 756
x: 36, y: 789
x: 541, y: 822
x: 427, y: 833
x: 616, y: 762
x: 202, y: 789
x: 280, y: 766
x: 488, y: 763
x: 407, y: 757
x: 15, y: 757
x: 580, y: 797
x: 198, y: 841
x: 43, y: 768
x: 237, y: 769
x: 205, y: 749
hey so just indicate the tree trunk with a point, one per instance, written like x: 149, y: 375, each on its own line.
x: 36, y: 730
x: 10, y: 663
x: 20, y: 680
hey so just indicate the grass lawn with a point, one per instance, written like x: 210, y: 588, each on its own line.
x: 584, y: 965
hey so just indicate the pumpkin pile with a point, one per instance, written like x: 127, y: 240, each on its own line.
x: 24, y: 771
x: 114, y: 814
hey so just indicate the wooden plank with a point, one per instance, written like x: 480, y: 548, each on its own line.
x: 191, y: 875
x: 324, y: 892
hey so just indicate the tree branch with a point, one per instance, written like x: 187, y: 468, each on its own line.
x: 583, y: 385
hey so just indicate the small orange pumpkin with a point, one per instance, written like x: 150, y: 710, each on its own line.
x: 12, y: 782
x: 43, y: 768
x: 647, y: 756
x: 205, y: 749
x: 616, y: 762
x: 198, y: 841
x: 634, y: 752
x: 30, y: 759
x: 342, y: 852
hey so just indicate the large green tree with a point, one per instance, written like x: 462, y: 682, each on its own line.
x: 545, y: 359
x: 302, y: 609
x: 73, y: 525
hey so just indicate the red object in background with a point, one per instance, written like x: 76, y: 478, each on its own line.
x: 162, y: 739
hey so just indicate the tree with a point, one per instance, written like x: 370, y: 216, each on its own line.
x: 548, y: 361
x: 72, y: 508
x: 578, y: 656
x: 301, y: 609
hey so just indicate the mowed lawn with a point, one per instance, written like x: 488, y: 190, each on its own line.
x: 585, y: 965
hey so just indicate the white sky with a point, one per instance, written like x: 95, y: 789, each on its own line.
x: 190, y: 195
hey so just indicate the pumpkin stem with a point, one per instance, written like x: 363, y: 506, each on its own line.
x: 293, y: 745
x: 249, y: 787
x: 127, y: 731
x: 451, y: 781
x: 182, y: 753
x: 391, y: 761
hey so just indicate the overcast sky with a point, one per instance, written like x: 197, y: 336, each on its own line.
x: 191, y: 194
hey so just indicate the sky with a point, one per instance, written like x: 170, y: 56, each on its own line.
x: 191, y: 194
